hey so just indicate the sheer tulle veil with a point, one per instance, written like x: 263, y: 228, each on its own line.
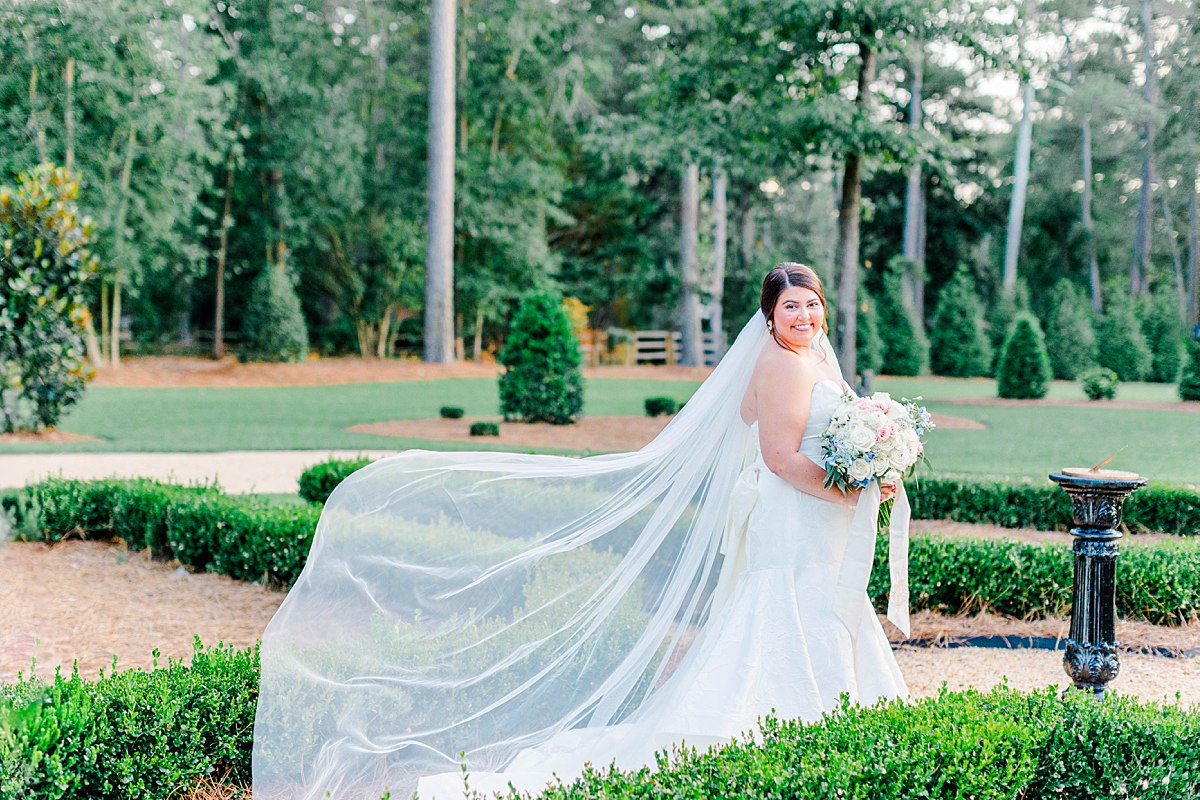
x: 471, y: 605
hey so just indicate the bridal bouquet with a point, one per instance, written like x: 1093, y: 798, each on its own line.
x: 873, y: 438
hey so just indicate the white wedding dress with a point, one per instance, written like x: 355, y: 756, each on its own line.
x: 525, y: 614
x: 775, y: 644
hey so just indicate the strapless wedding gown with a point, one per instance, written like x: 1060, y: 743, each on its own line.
x: 784, y: 636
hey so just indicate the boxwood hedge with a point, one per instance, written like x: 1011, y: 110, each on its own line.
x: 245, y: 539
x: 156, y: 734
x: 1155, y: 508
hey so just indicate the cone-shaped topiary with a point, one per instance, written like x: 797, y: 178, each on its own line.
x: 905, y: 347
x: 273, y: 326
x: 1070, y: 337
x: 1120, y: 345
x: 1002, y: 313
x: 542, y: 381
x: 1023, y: 372
x: 1164, y: 336
x: 868, y: 345
x: 958, y: 344
x: 1189, y: 382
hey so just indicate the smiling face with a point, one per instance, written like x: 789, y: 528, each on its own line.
x: 798, y: 315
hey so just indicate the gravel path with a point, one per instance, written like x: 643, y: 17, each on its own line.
x: 88, y: 602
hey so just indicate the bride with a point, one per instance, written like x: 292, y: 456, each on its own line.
x: 517, y: 616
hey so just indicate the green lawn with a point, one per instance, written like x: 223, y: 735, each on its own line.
x: 1026, y: 440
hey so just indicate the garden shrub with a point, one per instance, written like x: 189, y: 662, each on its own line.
x: 1189, y: 381
x: 450, y: 412
x: 1164, y: 336
x: 660, y: 406
x: 484, y: 428
x: 1099, y: 383
x: 1123, y: 347
x: 868, y: 344
x: 44, y: 267
x: 273, y: 327
x: 905, y: 348
x: 986, y: 745
x: 1023, y: 371
x: 1070, y: 336
x: 318, y: 481
x: 542, y: 380
x: 958, y: 343
x: 1002, y: 312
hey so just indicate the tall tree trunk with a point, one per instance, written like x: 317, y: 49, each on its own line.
x: 477, y: 345
x: 105, y: 325
x: 1016, y: 207
x: 222, y: 255
x: 69, y: 115
x: 912, y: 195
x: 922, y: 230
x: 849, y: 218
x: 746, y: 232
x: 1139, y: 272
x: 439, y: 251
x: 121, y: 249
x: 716, y: 317
x: 690, y: 335
x: 35, y: 120
x: 1089, y: 225
x: 1176, y: 261
x: 1193, y: 282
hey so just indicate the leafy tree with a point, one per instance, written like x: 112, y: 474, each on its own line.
x: 1189, y: 382
x: 1070, y: 336
x: 958, y: 345
x: 44, y: 266
x: 1023, y: 372
x: 542, y: 380
x: 1121, y: 345
x: 905, y: 346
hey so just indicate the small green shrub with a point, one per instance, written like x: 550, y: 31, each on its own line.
x: 1002, y: 312
x: 660, y: 406
x: 1123, y: 348
x: 482, y: 428
x: 1099, y: 383
x: 1070, y: 335
x: 958, y: 343
x: 273, y: 327
x: 1189, y: 381
x: 1164, y: 336
x: 542, y: 380
x: 1023, y: 371
x: 318, y: 481
x: 450, y: 412
x: 905, y: 347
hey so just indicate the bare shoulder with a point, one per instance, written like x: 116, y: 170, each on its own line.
x: 778, y: 369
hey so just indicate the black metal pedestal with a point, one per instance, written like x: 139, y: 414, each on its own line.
x: 1091, y: 658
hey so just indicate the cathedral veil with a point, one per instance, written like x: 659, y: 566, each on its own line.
x: 467, y: 606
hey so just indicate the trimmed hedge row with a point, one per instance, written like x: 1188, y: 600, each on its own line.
x: 205, y: 529
x: 131, y: 734
x: 1164, y: 509
x: 198, y: 526
x: 154, y: 735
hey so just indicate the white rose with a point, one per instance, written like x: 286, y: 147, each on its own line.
x: 861, y: 437
x: 860, y: 469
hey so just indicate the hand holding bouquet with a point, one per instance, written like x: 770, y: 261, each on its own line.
x: 873, y: 438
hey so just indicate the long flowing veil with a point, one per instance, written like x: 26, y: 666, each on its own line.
x: 471, y: 605
x: 479, y: 603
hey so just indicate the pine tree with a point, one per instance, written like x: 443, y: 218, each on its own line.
x: 1189, y: 382
x: 870, y: 346
x: 1120, y: 345
x: 1001, y: 315
x: 273, y: 327
x: 905, y: 347
x: 1070, y: 336
x: 1023, y: 371
x: 542, y: 380
x: 958, y: 344
x: 1164, y: 336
